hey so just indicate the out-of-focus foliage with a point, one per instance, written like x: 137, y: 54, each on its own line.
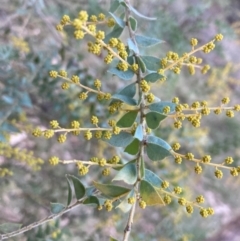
x: 30, y: 47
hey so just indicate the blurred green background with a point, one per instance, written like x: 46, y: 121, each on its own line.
x: 30, y: 47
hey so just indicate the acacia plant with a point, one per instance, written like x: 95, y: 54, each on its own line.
x: 134, y: 114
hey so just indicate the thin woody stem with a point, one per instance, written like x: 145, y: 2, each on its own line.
x: 128, y: 227
x: 200, y: 161
x: 41, y: 222
x: 88, y: 163
x: 182, y: 58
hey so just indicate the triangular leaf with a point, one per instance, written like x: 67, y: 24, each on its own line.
x: 57, y: 208
x: 132, y: 46
x: 129, y: 90
x: 115, y: 33
x: 125, y: 99
x: 110, y: 190
x: 127, y: 174
x: 145, y: 41
x: 139, y: 133
x: 128, y: 119
x: 118, y: 20
x: 133, y: 148
x: 157, y: 149
x: 151, y: 62
x: 133, y: 23
x: 153, y: 119
x: 149, y: 194
x: 159, y: 106
x: 152, y: 178
x: 9, y: 227
x: 125, y: 75
x: 78, y: 187
x: 121, y: 140
x: 153, y: 77
x: 130, y: 59
x: 122, y: 2
x: 69, y: 192
x: 114, y: 6
x: 124, y: 206
x: 141, y: 64
x: 92, y: 200
x: 89, y: 191
x: 140, y: 15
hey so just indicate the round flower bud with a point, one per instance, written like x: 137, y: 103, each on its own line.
x: 189, y: 209
x: 62, y: 138
x: 218, y: 174
x: 200, y: 199
x: 167, y: 199
x: 142, y: 204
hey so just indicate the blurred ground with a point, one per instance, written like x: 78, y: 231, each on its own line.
x: 30, y: 47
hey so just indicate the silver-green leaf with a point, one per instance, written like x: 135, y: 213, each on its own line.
x: 145, y: 41
x: 125, y: 75
x: 157, y: 149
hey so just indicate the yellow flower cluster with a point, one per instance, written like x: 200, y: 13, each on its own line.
x: 62, y: 138
x: 48, y: 133
x: 20, y: 44
x: 115, y: 106
x: 53, y: 160
x: 144, y: 86
x: 97, y: 83
x: 75, y: 79
x: 65, y: 86
x: 94, y: 48
x: 75, y: 124
x: 208, y: 47
x: 88, y: 135
x: 167, y: 199
x: 94, y: 120
x: 165, y: 184
x: 22, y: 156
x: 83, y: 170
x: 63, y: 73
x: 106, y: 172
x: 83, y: 96
x: 107, y: 135
x: 176, y: 146
x: 131, y: 200
x: 54, y: 124
x: 102, y: 162
x: 116, y: 130
x: 37, y: 132
x: 122, y: 66
x: 193, y: 42
x: 5, y: 172
x: 98, y: 134
x: 150, y: 97
x: 142, y: 204
x: 177, y: 190
x: 205, y: 212
x: 114, y: 160
x: 108, y: 205
x: 175, y: 62
x: 166, y: 109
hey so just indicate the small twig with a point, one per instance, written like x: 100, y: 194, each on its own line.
x: 128, y: 227
x: 88, y: 163
x: 41, y: 222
